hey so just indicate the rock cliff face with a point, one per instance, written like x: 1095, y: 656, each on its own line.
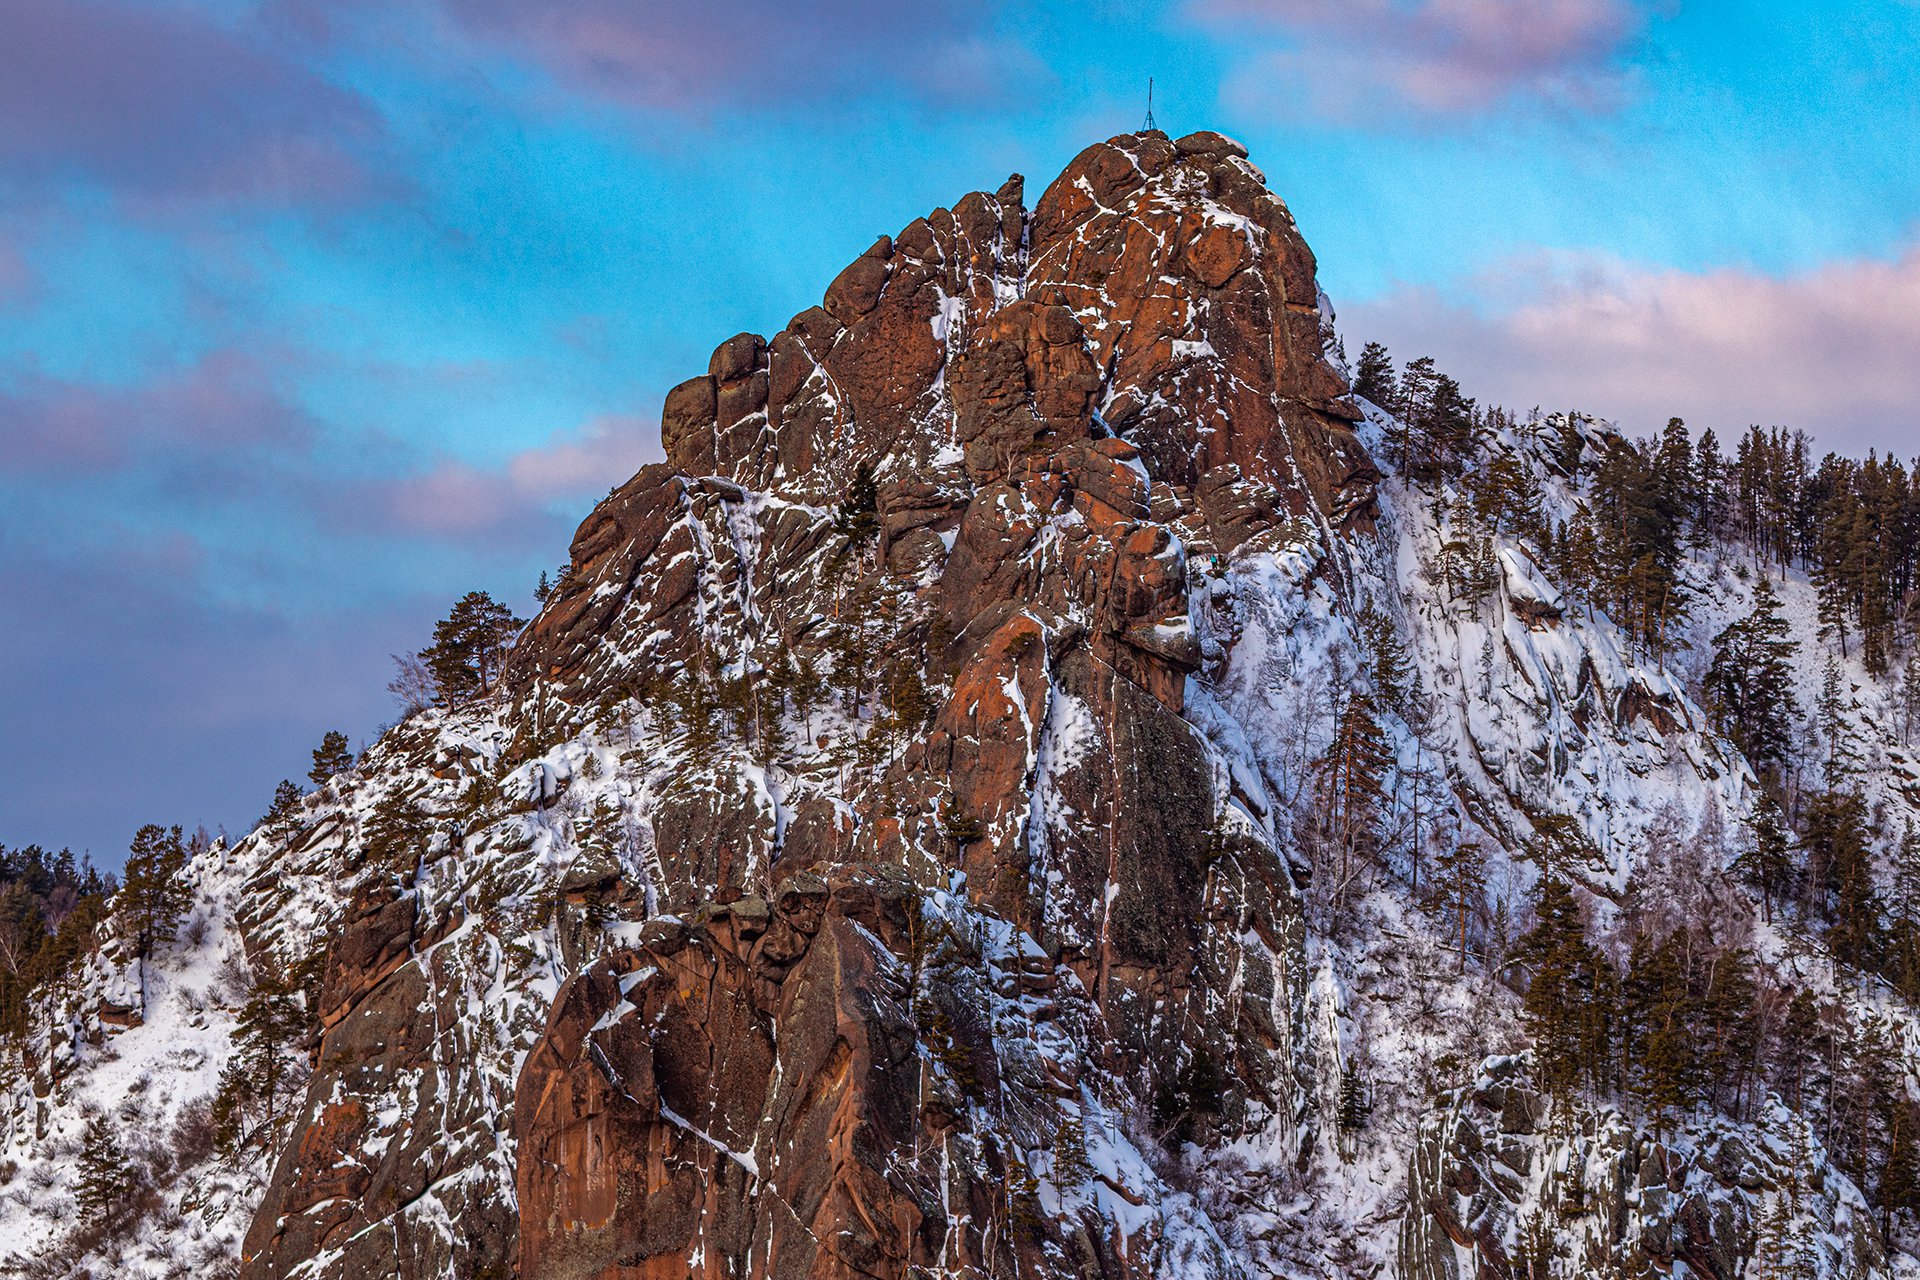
x: 899, y: 848
x: 1502, y: 1186
x: 864, y: 990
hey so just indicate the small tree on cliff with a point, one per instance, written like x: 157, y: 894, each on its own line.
x: 1662, y: 1020
x: 397, y: 833
x: 287, y: 798
x: 1459, y: 885
x: 1351, y: 791
x: 857, y: 518
x: 1767, y: 863
x: 105, y: 1180
x: 154, y: 894
x: 1563, y: 1007
x: 330, y: 757
x: 1373, y: 377
x: 468, y: 647
x: 808, y: 689
x: 1750, y: 682
x: 260, y: 1075
x: 905, y: 700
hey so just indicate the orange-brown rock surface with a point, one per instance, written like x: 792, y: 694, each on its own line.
x: 912, y: 935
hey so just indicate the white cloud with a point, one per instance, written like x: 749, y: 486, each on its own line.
x: 1834, y: 349
x: 1370, y: 60
x: 556, y: 480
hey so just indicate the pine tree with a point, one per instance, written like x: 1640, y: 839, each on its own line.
x: 1459, y: 884
x: 104, y: 1181
x: 1373, y: 377
x: 1395, y: 680
x: 1560, y: 1008
x: 397, y: 832
x: 234, y: 1101
x: 1797, y: 1050
x: 259, y: 1077
x: 1767, y: 864
x: 733, y: 698
x: 1830, y: 714
x: 697, y: 712
x: 1899, y: 1189
x: 1557, y: 845
x: 1467, y: 562
x: 772, y: 696
x: 1512, y: 501
x: 1711, y: 506
x: 1673, y: 474
x: 468, y: 647
x: 1580, y: 561
x: 23, y: 934
x: 1446, y: 431
x: 1664, y: 1069
x: 809, y: 690
x: 1412, y: 401
x: 23, y: 929
x: 1862, y: 1104
x: 1637, y: 502
x: 905, y: 701
x: 1356, y: 1104
x: 1839, y: 845
x: 1831, y: 572
x: 1905, y: 928
x: 1732, y: 1039
x: 1750, y: 682
x: 1352, y: 774
x: 331, y: 757
x: 1769, y: 1241
x: 857, y: 519
x: 1910, y: 696
x: 287, y: 799
x: 153, y: 894
x: 857, y: 647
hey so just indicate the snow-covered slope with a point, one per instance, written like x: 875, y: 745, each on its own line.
x: 1036, y: 937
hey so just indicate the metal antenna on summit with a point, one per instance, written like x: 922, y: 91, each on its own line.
x: 1149, y: 126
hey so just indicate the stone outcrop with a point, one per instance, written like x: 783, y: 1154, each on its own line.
x: 666, y: 1130
x: 850, y: 995
x: 1155, y: 312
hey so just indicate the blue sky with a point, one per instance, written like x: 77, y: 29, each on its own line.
x: 316, y: 313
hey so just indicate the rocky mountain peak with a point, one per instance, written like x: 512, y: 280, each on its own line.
x: 978, y: 487
x: 1158, y: 292
x: 1145, y: 346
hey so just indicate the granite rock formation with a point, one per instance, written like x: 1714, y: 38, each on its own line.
x: 903, y: 846
x: 803, y: 1056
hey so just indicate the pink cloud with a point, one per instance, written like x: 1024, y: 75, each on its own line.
x: 1829, y: 349
x: 1363, y: 60
x: 693, y: 55
x: 166, y: 104
x: 531, y: 493
x: 226, y: 401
